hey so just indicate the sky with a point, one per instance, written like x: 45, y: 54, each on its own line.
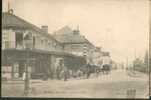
x: 118, y: 26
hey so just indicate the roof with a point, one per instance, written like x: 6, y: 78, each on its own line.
x: 64, y: 30
x: 10, y: 20
x: 105, y: 53
x: 66, y: 35
x: 59, y: 53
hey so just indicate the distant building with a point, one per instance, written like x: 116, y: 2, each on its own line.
x: 73, y: 42
x: 101, y: 57
x: 97, y: 53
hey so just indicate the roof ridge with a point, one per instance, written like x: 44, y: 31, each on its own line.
x: 62, y: 30
x: 36, y: 28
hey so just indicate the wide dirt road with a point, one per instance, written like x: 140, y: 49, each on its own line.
x: 114, y: 85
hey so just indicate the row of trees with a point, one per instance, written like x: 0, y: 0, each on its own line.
x: 142, y: 65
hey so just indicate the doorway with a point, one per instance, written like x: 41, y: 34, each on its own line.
x: 19, y: 40
x: 21, y: 68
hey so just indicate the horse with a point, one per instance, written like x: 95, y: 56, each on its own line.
x: 106, y: 68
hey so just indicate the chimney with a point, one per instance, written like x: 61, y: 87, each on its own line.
x: 10, y: 11
x: 76, y: 31
x: 44, y: 28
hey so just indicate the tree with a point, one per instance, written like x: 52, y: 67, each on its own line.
x: 138, y: 64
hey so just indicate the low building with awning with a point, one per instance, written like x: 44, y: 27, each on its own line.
x: 43, y: 49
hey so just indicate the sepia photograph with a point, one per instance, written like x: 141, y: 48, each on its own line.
x: 75, y: 49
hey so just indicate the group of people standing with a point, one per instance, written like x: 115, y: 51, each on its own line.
x: 63, y: 72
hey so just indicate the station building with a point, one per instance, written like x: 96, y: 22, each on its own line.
x: 41, y: 53
x: 26, y: 45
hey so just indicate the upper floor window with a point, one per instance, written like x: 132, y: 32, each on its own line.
x: 49, y: 44
x: 19, y: 40
x: 8, y: 39
x: 54, y: 45
x: 34, y: 42
x: 5, y: 37
x: 42, y: 41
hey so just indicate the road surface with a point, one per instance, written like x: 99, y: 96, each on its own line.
x: 114, y: 85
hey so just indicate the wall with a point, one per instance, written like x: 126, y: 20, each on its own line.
x: 41, y: 41
x: 8, y: 38
x: 77, y: 49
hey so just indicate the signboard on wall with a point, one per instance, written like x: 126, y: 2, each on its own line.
x: 6, y: 69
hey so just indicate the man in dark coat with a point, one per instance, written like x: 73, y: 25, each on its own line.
x: 65, y: 73
x: 88, y: 70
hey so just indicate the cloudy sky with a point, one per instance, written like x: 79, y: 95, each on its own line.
x: 118, y: 26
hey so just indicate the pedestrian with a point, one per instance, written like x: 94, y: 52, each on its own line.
x: 88, y: 70
x: 79, y: 72
x: 65, y: 73
x: 70, y: 73
x: 24, y: 76
x: 97, y: 71
x: 59, y: 69
x: 58, y: 72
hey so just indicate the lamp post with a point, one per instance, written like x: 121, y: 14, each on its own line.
x: 26, y: 86
x: 27, y: 41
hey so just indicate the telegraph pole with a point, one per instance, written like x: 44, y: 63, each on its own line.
x: 8, y: 6
x: 26, y: 88
x: 28, y: 40
x: 127, y: 62
x: 134, y: 60
x: 135, y: 53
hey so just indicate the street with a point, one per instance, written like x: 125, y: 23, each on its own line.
x: 114, y: 85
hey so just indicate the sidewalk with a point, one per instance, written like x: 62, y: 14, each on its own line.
x: 136, y: 74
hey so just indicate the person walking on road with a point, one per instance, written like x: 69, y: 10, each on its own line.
x: 58, y: 71
x: 88, y: 70
x: 65, y: 72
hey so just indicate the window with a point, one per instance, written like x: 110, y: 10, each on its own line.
x: 5, y: 40
x: 33, y: 42
x: 16, y: 67
x: 19, y: 40
x: 54, y: 44
x: 7, y: 44
x: 5, y: 37
x: 42, y: 41
x: 49, y: 44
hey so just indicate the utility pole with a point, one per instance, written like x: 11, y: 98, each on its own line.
x: 8, y: 6
x: 135, y: 53
x: 9, y: 9
x: 134, y: 60
x: 28, y: 41
x: 26, y: 88
x: 26, y: 85
x: 77, y: 27
x: 127, y: 62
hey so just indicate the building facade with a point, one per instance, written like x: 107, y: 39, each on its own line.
x: 14, y: 29
x: 26, y: 45
x: 73, y: 42
x: 42, y: 51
